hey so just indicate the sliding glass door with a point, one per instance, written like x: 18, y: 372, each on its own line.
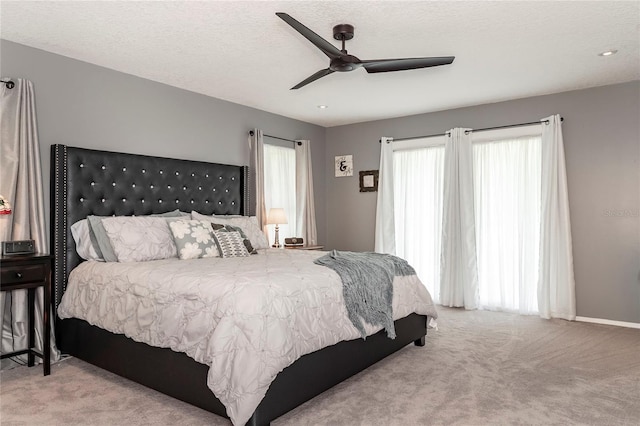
x: 507, y: 183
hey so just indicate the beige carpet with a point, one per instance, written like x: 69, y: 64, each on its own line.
x: 480, y: 368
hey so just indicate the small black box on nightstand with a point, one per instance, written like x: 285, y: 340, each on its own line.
x: 10, y: 248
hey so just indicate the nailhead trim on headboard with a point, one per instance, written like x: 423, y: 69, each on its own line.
x: 59, y: 228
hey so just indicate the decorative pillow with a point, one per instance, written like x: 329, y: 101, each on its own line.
x: 172, y: 213
x: 194, y: 239
x: 100, y: 239
x: 230, y: 228
x: 230, y: 244
x: 139, y: 238
x: 81, y: 235
x: 249, y: 225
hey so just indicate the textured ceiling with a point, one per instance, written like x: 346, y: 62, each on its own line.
x: 243, y: 53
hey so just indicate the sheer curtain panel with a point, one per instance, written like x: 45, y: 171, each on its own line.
x: 280, y: 186
x: 507, y: 205
x: 385, y: 239
x: 21, y: 185
x: 305, y: 206
x: 556, y: 286
x: 459, y: 271
x: 418, y: 186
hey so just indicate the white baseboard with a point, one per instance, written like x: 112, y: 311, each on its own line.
x: 609, y: 322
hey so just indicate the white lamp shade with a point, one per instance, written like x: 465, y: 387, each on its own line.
x: 276, y: 217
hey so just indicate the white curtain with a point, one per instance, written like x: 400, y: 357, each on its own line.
x: 280, y: 187
x: 507, y: 200
x: 385, y: 239
x: 556, y: 286
x: 21, y: 185
x: 256, y: 169
x: 418, y: 186
x: 459, y: 272
x: 305, y: 206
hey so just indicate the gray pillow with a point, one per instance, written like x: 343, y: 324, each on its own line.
x: 231, y: 228
x: 230, y: 244
x: 173, y: 213
x: 100, y: 239
x: 193, y: 239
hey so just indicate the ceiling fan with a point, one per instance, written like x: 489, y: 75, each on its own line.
x: 341, y: 61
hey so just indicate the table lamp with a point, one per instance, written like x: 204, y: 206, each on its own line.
x: 276, y: 217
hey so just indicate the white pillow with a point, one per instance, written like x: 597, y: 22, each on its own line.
x: 248, y: 224
x: 84, y: 247
x: 140, y: 238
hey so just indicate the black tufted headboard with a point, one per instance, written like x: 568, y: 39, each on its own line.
x: 89, y: 182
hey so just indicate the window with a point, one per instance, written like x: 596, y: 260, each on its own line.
x: 280, y: 186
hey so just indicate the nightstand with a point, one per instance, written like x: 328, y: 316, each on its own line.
x: 304, y: 247
x: 30, y: 272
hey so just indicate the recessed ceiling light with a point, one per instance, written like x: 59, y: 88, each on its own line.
x: 608, y: 53
x: 323, y: 106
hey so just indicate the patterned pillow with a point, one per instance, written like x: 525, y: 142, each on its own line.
x: 139, y: 238
x: 249, y: 225
x: 231, y: 228
x: 230, y: 244
x: 194, y: 239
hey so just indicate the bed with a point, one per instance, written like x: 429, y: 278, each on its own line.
x: 89, y: 182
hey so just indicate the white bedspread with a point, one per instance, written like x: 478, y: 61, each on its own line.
x: 247, y: 318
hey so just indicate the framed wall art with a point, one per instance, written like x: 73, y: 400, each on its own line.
x: 369, y: 181
x: 344, y: 165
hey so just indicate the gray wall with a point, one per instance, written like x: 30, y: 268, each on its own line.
x: 84, y: 105
x: 602, y: 145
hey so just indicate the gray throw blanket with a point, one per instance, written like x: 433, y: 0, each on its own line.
x: 367, y: 286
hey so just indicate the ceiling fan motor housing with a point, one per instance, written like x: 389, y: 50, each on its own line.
x: 343, y: 32
x: 344, y: 63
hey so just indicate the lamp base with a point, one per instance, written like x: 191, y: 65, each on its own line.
x: 276, y: 243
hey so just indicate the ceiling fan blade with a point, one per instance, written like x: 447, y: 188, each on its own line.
x: 386, y: 65
x: 327, y: 48
x: 313, y: 78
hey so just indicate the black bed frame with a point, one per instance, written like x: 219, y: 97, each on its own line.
x: 89, y: 182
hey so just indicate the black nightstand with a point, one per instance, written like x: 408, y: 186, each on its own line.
x: 30, y: 272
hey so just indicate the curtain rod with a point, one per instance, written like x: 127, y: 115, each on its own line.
x: 466, y: 132
x: 251, y: 133
x: 10, y: 84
